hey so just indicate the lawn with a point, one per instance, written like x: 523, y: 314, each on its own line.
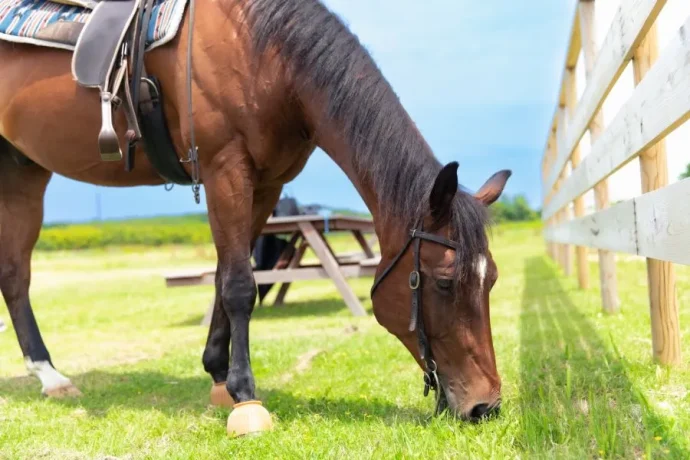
x: 576, y: 383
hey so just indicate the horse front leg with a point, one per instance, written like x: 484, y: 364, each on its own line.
x: 216, y: 353
x: 230, y: 186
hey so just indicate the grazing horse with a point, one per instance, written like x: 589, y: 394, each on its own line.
x: 272, y: 80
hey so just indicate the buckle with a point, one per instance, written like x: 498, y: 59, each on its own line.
x: 430, y: 382
x: 431, y: 369
x: 430, y: 378
x: 414, y: 280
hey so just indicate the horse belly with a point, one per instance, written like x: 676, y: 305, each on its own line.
x: 55, y: 122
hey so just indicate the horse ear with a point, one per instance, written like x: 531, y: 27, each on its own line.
x: 445, y: 188
x: 492, y: 188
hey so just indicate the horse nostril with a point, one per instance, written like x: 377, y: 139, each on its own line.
x: 481, y: 411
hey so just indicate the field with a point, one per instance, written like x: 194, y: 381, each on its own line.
x: 576, y: 383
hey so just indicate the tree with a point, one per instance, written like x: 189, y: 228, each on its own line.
x: 686, y: 173
x: 514, y: 208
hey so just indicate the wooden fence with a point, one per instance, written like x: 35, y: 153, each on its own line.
x: 655, y: 225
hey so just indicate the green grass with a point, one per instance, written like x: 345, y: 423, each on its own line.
x: 577, y: 383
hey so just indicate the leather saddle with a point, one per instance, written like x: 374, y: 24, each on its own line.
x: 109, y: 56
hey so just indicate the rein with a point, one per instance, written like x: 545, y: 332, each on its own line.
x: 418, y: 234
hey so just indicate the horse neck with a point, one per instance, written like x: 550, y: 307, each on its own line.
x: 395, y: 228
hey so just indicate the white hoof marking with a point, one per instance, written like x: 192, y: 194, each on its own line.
x: 51, y: 379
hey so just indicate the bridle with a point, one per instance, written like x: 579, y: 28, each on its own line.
x: 417, y: 234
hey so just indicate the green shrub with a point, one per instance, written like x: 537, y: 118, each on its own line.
x: 513, y: 209
x: 144, y: 232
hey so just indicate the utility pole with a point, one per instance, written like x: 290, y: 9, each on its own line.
x: 99, y: 216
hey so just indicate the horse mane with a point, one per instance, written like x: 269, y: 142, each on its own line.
x: 389, y: 152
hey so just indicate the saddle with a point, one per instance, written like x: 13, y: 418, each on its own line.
x: 109, y: 56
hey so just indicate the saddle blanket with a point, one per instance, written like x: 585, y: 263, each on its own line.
x: 58, y: 25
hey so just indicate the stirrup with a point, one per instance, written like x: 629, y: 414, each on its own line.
x: 107, y: 138
x: 121, y: 83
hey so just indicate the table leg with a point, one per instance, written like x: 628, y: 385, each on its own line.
x: 363, y: 243
x: 283, y: 260
x: 206, y: 321
x: 288, y: 253
x: 330, y: 264
x: 294, y: 263
x: 328, y: 246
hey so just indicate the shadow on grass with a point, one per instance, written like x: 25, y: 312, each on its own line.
x: 316, y: 308
x: 576, y: 396
x: 166, y: 393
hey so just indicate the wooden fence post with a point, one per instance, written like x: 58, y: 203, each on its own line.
x: 660, y: 275
x: 579, y: 203
x: 607, y: 259
x: 564, y: 214
x: 555, y: 247
x: 546, y: 169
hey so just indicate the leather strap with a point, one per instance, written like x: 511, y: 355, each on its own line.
x: 417, y: 315
x: 138, y: 49
x: 413, y: 235
x: 416, y: 310
x: 158, y: 145
x: 435, y: 238
x: 388, y: 269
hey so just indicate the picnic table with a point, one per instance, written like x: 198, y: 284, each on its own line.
x: 305, y: 232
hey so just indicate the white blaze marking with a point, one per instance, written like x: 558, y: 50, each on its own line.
x: 481, y: 267
x: 49, y: 377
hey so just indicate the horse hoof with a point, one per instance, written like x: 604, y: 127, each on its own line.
x: 249, y: 417
x: 220, y: 396
x: 65, y: 391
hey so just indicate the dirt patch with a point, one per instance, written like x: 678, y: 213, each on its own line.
x: 351, y: 329
x: 583, y: 406
x: 304, y: 361
x: 303, y: 364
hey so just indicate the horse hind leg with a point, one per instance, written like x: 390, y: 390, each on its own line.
x: 22, y: 187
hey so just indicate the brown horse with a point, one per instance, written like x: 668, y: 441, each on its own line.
x: 272, y: 80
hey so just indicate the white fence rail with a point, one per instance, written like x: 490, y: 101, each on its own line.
x: 655, y: 225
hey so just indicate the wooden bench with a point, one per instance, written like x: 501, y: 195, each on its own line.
x: 310, y: 231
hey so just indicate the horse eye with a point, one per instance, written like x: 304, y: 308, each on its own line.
x: 444, y: 283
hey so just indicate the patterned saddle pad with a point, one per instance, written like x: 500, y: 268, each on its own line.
x: 57, y: 24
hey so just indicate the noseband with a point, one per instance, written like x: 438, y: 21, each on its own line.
x: 417, y: 317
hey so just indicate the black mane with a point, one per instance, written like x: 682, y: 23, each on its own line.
x: 388, y: 150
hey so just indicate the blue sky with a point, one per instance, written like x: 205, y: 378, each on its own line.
x: 480, y: 79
